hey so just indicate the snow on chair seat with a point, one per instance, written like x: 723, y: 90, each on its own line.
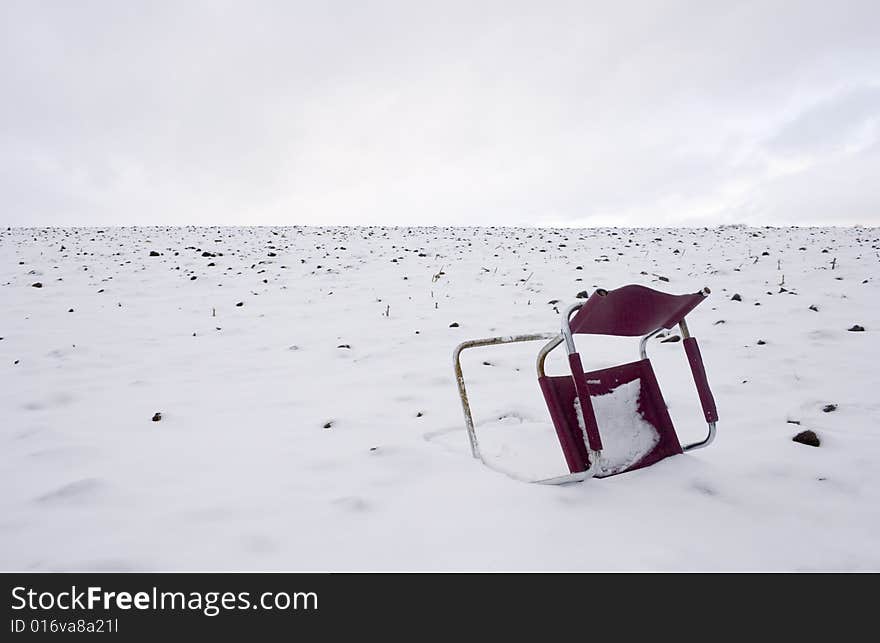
x: 613, y: 420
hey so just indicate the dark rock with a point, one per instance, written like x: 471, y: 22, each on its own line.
x: 736, y: 297
x: 36, y: 284
x: 807, y: 437
x: 814, y: 308
x: 329, y: 424
x: 583, y: 295
x: 157, y: 417
x: 761, y: 342
x: 453, y: 325
x: 419, y: 414
x: 828, y: 408
x: 343, y: 346
x: 856, y: 328
x: 153, y: 253
x: 239, y: 304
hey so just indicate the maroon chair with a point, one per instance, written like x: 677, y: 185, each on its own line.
x: 630, y: 311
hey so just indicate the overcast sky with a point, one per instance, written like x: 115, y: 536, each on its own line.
x: 439, y: 112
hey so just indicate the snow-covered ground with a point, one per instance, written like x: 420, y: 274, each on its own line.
x: 310, y: 418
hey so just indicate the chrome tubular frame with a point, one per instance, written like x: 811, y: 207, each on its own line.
x: 459, y: 376
x: 566, y: 325
x: 685, y: 333
x: 570, y: 346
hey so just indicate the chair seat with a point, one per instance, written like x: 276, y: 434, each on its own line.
x: 626, y: 432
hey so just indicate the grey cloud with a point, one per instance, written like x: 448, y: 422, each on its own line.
x: 417, y: 113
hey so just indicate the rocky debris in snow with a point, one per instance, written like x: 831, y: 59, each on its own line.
x: 736, y: 297
x: 153, y: 253
x: 37, y: 284
x: 828, y: 408
x: 807, y: 437
x: 453, y: 325
x: 157, y: 417
x: 856, y: 328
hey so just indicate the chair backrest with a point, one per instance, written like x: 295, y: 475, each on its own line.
x: 632, y: 311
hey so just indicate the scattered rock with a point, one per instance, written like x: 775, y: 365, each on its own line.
x: 453, y: 325
x: 157, y: 417
x: 828, y: 408
x: 153, y: 253
x: 761, y: 342
x: 720, y: 321
x: 807, y: 437
x: 736, y: 297
x: 856, y: 328
x: 343, y: 346
x: 239, y: 304
x: 419, y: 414
x: 328, y: 424
x: 36, y: 284
x: 814, y: 308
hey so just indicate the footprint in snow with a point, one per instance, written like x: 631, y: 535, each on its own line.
x: 76, y: 491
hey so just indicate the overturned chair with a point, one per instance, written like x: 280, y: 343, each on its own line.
x: 629, y: 311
